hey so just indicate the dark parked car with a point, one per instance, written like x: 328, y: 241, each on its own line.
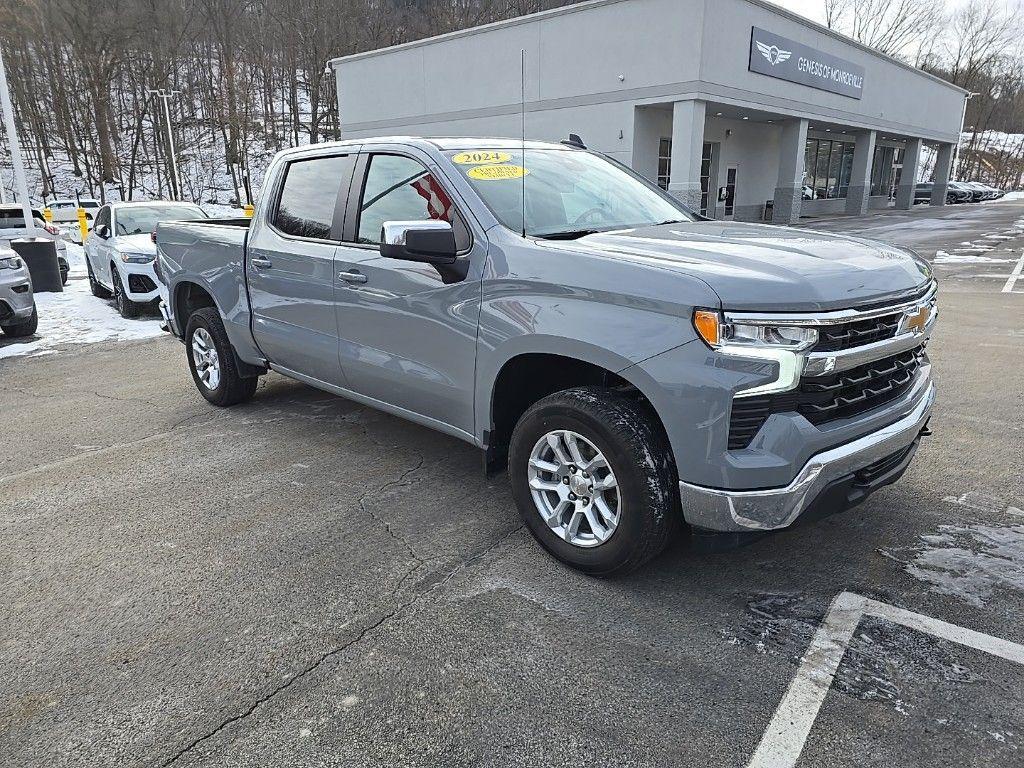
x: 923, y: 194
x: 973, y: 195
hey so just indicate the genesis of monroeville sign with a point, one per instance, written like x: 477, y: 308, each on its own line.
x: 777, y: 56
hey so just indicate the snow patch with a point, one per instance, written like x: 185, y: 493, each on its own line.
x: 960, y: 257
x: 970, y: 562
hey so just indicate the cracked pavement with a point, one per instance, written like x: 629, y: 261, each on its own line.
x: 302, y: 581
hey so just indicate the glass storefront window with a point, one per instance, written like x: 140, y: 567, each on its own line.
x: 827, y: 168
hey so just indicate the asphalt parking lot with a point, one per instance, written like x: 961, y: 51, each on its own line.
x: 301, y: 581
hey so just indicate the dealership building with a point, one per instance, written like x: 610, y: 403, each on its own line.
x: 738, y: 107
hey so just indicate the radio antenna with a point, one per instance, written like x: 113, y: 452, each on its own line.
x: 522, y: 125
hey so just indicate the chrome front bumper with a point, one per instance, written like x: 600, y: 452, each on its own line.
x: 717, y: 509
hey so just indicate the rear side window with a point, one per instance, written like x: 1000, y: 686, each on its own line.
x: 400, y: 189
x: 309, y: 195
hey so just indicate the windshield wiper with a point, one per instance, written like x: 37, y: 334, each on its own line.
x: 572, y: 234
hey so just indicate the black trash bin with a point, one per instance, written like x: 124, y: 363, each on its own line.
x: 40, y: 256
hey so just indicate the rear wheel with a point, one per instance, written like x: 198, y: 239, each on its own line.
x: 23, y: 328
x: 125, y: 306
x: 97, y: 290
x: 593, y: 478
x: 212, y: 360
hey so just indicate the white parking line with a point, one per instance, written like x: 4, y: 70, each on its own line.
x: 1015, y: 275
x: 784, y: 739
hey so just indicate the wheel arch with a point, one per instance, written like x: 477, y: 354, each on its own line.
x: 528, y: 376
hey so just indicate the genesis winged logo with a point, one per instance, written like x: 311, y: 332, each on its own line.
x: 773, y: 53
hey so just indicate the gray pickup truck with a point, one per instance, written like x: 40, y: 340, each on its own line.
x: 635, y: 366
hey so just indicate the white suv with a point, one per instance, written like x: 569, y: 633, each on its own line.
x: 119, y: 252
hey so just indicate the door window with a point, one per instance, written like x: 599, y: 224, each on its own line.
x: 309, y: 196
x: 400, y: 189
x: 103, y: 217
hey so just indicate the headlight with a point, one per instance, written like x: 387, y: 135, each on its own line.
x: 10, y: 262
x: 717, y: 334
x: 137, y: 258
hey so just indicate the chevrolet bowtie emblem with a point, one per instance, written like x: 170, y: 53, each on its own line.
x: 915, y: 322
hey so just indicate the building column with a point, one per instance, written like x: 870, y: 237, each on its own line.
x: 908, y: 176
x: 687, y: 149
x: 943, y: 165
x: 858, y: 193
x: 790, y: 188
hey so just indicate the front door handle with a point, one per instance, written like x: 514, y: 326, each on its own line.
x: 352, y: 277
x: 261, y: 263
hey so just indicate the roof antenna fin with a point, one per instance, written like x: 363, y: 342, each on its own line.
x: 574, y: 140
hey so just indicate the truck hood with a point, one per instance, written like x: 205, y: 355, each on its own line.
x: 769, y: 268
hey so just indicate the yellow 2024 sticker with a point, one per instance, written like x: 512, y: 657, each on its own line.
x: 480, y: 157
x: 493, y: 172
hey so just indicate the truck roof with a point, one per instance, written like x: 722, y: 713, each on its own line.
x: 443, y: 143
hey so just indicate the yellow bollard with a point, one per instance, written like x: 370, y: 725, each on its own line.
x: 249, y: 210
x: 48, y: 215
x: 83, y: 225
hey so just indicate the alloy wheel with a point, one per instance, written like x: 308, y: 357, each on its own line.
x: 574, y: 488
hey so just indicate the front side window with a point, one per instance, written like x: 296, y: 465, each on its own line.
x: 309, y: 194
x: 399, y: 188
x: 568, y: 193
x: 142, y: 219
x: 103, y: 217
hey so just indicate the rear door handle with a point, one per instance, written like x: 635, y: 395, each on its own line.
x: 352, y: 277
x: 261, y: 263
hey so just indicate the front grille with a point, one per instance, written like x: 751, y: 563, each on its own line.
x: 821, y: 399
x: 832, y: 338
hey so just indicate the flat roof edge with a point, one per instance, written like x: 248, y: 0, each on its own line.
x: 578, y: 7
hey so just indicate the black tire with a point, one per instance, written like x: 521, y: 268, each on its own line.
x: 24, y: 328
x: 125, y: 306
x: 232, y: 388
x: 64, y: 276
x: 626, y: 431
x: 97, y: 290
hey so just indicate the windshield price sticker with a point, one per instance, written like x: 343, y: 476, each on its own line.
x: 481, y: 158
x: 493, y: 172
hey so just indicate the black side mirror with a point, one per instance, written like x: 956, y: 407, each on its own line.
x: 102, y: 231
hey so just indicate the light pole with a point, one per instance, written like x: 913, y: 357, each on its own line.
x: 166, y: 96
x: 20, y: 186
x: 960, y: 136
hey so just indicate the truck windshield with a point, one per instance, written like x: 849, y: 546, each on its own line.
x: 139, y: 220
x: 569, y: 193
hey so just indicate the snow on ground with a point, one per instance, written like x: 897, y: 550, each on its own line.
x: 77, y: 317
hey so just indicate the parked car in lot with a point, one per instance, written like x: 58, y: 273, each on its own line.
x: 119, y: 252
x: 633, y: 364
x: 923, y: 194
x: 12, y: 227
x: 970, y: 194
x: 18, y: 316
x: 986, y: 192
x: 65, y: 215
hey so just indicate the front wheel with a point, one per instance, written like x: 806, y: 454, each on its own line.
x: 212, y: 360
x: 24, y: 328
x: 125, y: 306
x: 593, y: 478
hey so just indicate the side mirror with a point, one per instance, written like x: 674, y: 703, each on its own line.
x: 430, y: 241
x: 102, y: 231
